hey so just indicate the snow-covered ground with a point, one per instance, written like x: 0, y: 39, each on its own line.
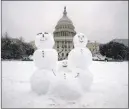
x: 109, y: 88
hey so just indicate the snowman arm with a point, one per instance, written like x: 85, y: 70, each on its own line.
x: 77, y: 75
x: 53, y: 72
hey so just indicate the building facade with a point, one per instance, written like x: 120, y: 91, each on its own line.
x: 93, y: 46
x: 63, y: 36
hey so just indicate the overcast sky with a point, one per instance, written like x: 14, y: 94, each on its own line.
x: 99, y: 20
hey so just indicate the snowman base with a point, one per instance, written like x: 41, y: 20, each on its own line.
x: 40, y: 82
x: 67, y: 93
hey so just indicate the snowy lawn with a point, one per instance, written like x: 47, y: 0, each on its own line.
x: 109, y: 88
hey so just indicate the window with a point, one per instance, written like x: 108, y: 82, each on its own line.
x: 62, y: 46
x: 66, y: 33
x: 62, y: 54
x: 57, y: 44
x: 65, y: 46
x: 67, y: 54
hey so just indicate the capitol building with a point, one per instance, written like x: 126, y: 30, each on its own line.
x: 63, y: 36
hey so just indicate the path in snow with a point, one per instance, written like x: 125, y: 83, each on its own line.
x: 109, y: 89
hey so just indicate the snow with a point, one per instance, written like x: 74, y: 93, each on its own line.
x: 109, y: 88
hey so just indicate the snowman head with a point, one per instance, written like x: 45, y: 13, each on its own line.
x: 44, y: 36
x: 64, y: 63
x: 80, y: 40
x: 44, y: 40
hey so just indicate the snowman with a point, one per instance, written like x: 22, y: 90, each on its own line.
x: 45, y: 59
x: 68, y: 87
x: 79, y: 60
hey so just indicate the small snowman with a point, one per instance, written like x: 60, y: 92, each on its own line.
x: 45, y: 59
x: 68, y: 87
x: 79, y: 60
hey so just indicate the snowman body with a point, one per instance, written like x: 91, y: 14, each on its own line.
x: 79, y: 60
x: 45, y: 59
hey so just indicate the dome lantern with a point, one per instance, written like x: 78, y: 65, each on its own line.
x: 65, y: 13
x: 65, y: 22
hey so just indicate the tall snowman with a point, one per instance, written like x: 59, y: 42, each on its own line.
x: 45, y: 59
x: 79, y: 60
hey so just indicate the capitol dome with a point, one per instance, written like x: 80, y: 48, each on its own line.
x: 65, y: 24
x: 63, y: 36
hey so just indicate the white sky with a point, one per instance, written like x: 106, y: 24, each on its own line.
x: 99, y: 20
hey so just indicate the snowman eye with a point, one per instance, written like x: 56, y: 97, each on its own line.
x: 39, y: 33
x: 79, y: 36
x: 45, y: 33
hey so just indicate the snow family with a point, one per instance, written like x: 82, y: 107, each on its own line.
x: 51, y: 77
